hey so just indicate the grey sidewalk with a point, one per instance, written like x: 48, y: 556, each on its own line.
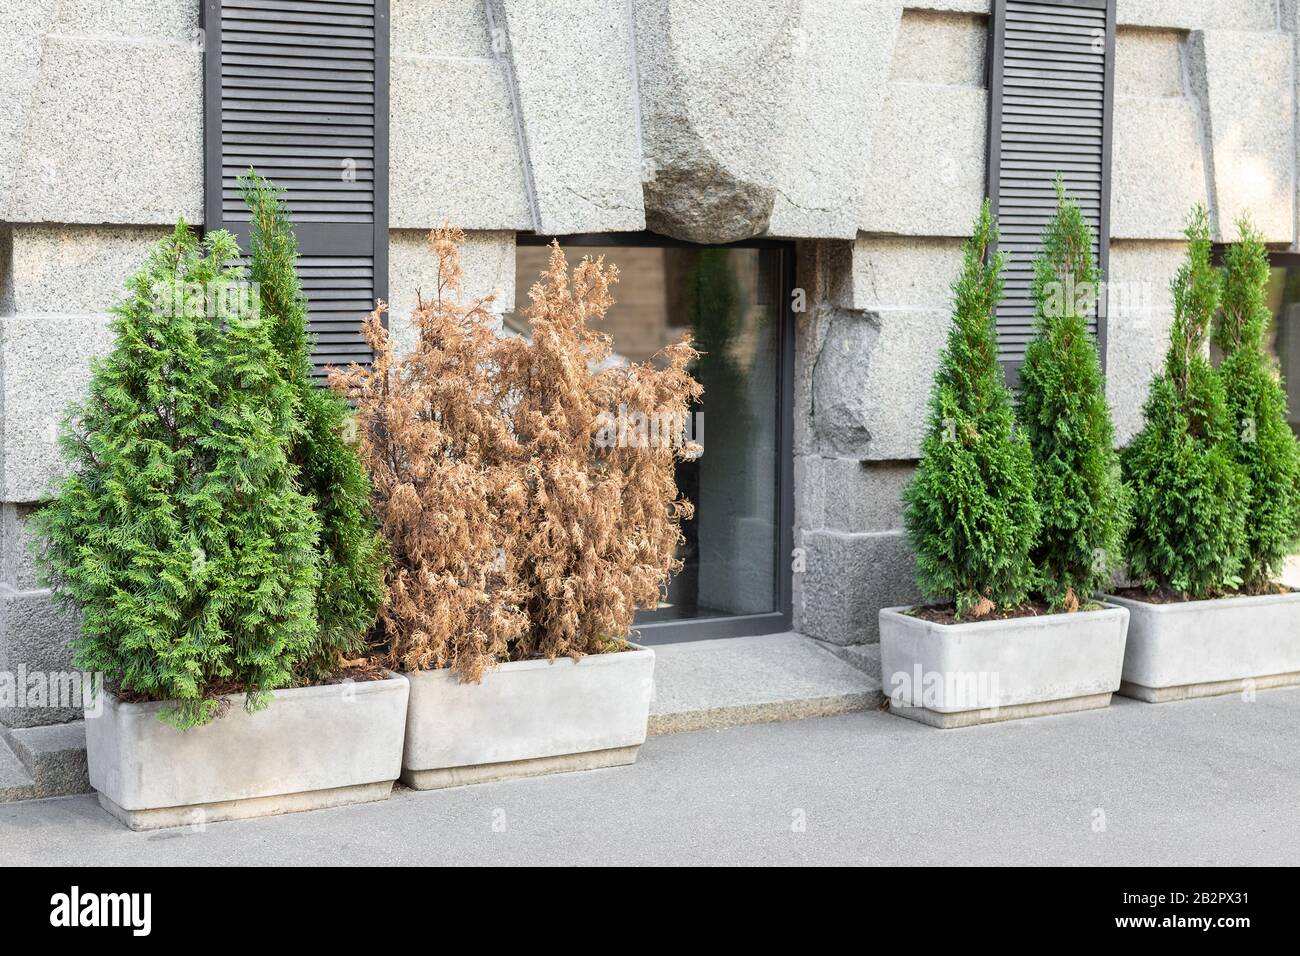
x: 1199, y: 782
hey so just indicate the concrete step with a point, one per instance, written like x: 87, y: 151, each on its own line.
x: 53, y: 758
x: 15, y: 782
x: 748, y: 680
x: 865, y: 657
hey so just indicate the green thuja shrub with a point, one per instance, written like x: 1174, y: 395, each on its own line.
x: 1257, y: 408
x: 179, y: 532
x: 1188, y: 532
x: 352, y: 554
x: 1063, y: 412
x: 970, y: 512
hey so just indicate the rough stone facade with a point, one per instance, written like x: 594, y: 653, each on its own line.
x: 857, y: 129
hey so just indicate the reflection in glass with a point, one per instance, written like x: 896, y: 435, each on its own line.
x: 1284, y: 300
x: 727, y: 299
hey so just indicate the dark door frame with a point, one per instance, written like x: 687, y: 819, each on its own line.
x: 743, y: 625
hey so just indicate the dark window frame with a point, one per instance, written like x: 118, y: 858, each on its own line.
x: 1279, y: 257
x: 995, y: 66
x: 743, y: 625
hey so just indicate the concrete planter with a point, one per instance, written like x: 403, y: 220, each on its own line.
x: 1204, y: 648
x: 527, y: 718
x: 312, y: 747
x: 957, y: 675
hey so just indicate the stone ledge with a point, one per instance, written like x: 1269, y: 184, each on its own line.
x: 52, y: 758
x: 572, y: 67
x: 35, y: 633
x: 1158, y: 167
x: 444, y: 110
x: 926, y: 175
x: 849, y: 494
x: 1251, y: 138
x: 84, y: 110
x: 849, y: 578
x: 45, y: 366
x: 1238, y: 14
x: 708, y: 685
x: 15, y: 782
x: 865, y: 657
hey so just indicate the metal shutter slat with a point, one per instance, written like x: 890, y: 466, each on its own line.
x: 242, y: 104
x: 308, y: 34
x: 1038, y: 94
x: 301, y: 178
x: 237, y: 79
x: 1046, y: 79
x: 269, y: 138
x: 334, y: 38
x: 321, y: 9
x: 315, y: 66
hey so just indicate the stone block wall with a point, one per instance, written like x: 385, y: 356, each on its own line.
x: 101, y: 134
x: 1204, y: 112
x: 856, y: 128
x: 57, y: 283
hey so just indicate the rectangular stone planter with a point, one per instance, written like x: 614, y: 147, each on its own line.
x: 311, y: 747
x: 957, y: 675
x: 1204, y: 648
x: 527, y: 718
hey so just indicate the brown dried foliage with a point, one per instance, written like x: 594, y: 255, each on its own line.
x: 513, y: 534
x: 602, y: 525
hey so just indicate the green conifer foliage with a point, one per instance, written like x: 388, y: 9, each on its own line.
x: 180, y: 533
x: 1189, y: 493
x: 352, y: 552
x: 1063, y: 412
x: 1257, y: 406
x: 971, y: 516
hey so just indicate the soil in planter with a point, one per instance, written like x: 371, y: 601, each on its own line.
x: 362, y: 671
x: 947, y: 613
x: 614, y: 646
x: 1170, y: 596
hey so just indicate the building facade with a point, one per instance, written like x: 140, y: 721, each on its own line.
x: 789, y: 180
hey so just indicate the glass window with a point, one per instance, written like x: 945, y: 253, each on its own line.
x: 729, y: 300
x: 1284, y: 346
x: 1284, y: 337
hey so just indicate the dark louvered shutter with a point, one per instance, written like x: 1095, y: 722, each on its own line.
x: 299, y: 90
x: 1051, y: 87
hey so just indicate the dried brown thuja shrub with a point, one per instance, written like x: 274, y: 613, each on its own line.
x: 524, y: 516
x: 443, y: 465
x: 603, y: 517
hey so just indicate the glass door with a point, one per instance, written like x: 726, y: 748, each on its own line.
x: 733, y: 300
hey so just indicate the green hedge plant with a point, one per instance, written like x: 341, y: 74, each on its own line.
x: 352, y: 553
x: 1257, y: 408
x: 1189, y: 509
x: 1063, y: 412
x: 180, y: 533
x: 970, y: 512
